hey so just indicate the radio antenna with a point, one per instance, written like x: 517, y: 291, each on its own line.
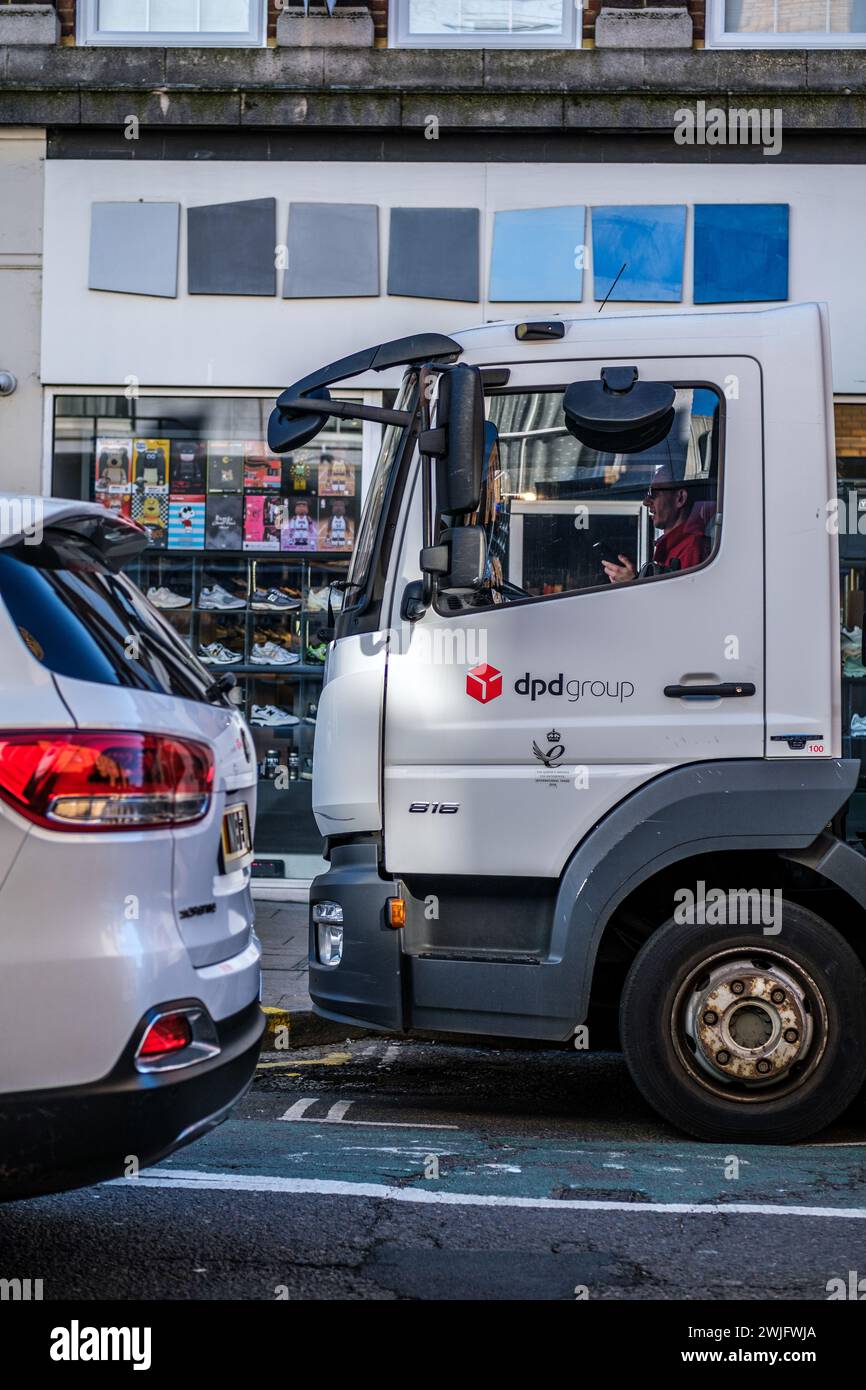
x: 613, y: 286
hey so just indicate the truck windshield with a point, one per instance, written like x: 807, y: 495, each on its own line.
x: 380, y: 489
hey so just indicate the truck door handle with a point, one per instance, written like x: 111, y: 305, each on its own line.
x: 727, y: 690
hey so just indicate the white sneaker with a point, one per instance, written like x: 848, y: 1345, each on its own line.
x: 215, y: 654
x: 165, y: 598
x: 218, y: 597
x: 272, y: 716
x: 858, y: 726
x: 317, y: 600
x: 271, y: 654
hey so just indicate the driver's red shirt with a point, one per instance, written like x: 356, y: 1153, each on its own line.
x: 685, y: 542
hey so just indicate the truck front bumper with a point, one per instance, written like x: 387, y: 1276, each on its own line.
x: 366, y: 987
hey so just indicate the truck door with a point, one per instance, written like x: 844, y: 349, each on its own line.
x: 514, y: 723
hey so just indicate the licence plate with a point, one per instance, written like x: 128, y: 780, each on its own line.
x: 236, y: 837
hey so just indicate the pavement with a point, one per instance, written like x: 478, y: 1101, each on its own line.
x: 291, y: 1022
x: 406, y: 1170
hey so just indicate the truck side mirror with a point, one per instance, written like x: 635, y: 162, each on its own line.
x: 619, y: 414
x: 467, y: 558
x: 287, y: 431
x: 460, y: 558
x: 457, y: 442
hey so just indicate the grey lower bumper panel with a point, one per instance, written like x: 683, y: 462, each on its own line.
x: 366, y: 987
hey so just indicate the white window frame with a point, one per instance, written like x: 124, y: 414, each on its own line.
x: 88, y: 32
x: 717, y: 38
x: 399, y: 35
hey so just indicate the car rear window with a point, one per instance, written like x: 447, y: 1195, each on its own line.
x: 81, y: 619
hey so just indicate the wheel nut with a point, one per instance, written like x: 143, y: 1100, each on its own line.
x: 763, y: 1066
x: 723, y: 1058
x: 711, y: 1017
x: 737, y: 987
x: 791, y: 1035
x: 778, y: 996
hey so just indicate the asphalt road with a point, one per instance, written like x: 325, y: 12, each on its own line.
x: 382, y: 1170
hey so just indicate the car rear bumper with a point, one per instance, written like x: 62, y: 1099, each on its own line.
x: 54, y: 1140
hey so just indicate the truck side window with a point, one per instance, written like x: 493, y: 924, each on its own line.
x: 561, y: 517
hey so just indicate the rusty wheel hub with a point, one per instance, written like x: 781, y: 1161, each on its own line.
x: 749, y: 1023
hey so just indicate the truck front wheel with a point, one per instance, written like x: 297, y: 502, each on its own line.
x: 733, y: 1034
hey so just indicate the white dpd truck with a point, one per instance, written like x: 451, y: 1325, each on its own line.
x: 568, y: 760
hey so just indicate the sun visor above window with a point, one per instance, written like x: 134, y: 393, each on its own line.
x: 619, y: 414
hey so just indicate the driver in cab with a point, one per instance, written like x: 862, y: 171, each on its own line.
x: 683, y: 543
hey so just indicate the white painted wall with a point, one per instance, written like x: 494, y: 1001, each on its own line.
x: 22, y: 160
x: 95, y: 338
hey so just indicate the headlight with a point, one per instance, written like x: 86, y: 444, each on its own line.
x: 329, y: 922
x: 327, y: 912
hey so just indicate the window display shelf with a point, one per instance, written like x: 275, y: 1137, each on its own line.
x: 297, y: 668
x: 220, y: 510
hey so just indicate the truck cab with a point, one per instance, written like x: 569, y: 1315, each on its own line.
x: 578, y: 752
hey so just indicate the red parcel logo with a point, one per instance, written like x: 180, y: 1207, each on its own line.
x: 484, y: 683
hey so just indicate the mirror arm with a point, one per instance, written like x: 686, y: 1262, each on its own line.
x: 428, y: 538
x: 435, y: 559
x: 433, y: 442
x: 346, y: 410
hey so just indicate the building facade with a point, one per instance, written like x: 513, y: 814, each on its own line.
x: 202, y: 200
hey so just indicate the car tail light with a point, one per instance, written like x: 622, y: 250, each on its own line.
x: 178, y: 1036
x: 105, y: 781
x: 168, y: 1033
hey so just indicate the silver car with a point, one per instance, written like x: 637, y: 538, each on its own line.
x: 129, y: 967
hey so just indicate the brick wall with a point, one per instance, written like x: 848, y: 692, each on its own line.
x: 850, y: 431
x: 379, y: 10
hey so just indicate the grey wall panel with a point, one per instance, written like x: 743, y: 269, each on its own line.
x: 433, y: 253
x: 231, y: 248
x: 333, y: 251
x: 133, y: 248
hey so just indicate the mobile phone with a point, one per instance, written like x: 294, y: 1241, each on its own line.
x: 605, y: 551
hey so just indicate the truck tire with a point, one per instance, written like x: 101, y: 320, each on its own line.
x: 732, y: 1034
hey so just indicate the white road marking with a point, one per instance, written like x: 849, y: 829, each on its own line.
x: 373, y: 1124
x: 296, y: 1111
x: 296, y: 1114
x: 333, y: 1117
x: 337, y: 1111
x: 192, y: 1180
x: 837, y: 1144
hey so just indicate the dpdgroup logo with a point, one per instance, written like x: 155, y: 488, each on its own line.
x: 484, y: 683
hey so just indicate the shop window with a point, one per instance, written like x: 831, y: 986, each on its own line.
x: 787, y: 23
x: 222, y: 23
x: 244, y: 551
x: 561, y: 517
x: 485, y: 23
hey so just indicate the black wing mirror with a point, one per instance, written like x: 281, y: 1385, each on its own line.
x: 460, y: 558
x: 286, y: 431
x: 619, y: 414
x: 457, y: 442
